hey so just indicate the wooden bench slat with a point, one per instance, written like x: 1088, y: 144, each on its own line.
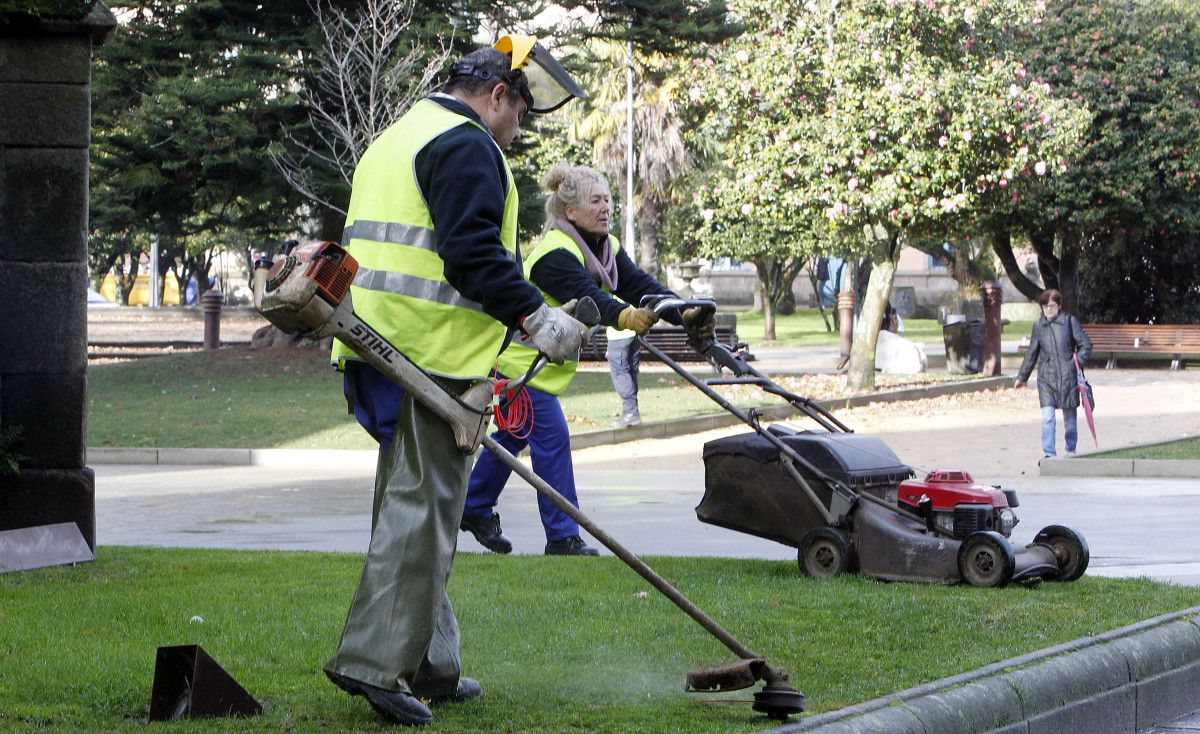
x: 1170, y: 340
x: 1173, y: 340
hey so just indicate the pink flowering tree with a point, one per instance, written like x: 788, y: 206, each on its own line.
x: 749, y: 113
x: 1122, y: 217
x: 874, y: 121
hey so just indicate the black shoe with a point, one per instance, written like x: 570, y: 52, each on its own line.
x: 572, y: 546
x: 399, y: 706
x: 487, y: 531
x: 467, y: 689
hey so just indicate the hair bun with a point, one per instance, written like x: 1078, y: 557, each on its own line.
x: 555, y: 176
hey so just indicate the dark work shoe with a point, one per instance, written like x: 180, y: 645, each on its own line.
x: 467, y: 689
x: 487, y: 531
x: 572, y: 546
x: 399, y: 706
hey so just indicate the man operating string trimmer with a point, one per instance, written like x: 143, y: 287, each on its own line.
x: 433, y: 224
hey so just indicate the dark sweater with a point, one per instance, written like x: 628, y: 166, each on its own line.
x: 461, y: 176
x: 560, y: 274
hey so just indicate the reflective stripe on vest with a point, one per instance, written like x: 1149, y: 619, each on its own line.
x: 401, y: 288
x: 516, y: 359
x: 393, y: 232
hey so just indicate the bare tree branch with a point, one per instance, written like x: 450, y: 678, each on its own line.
x: 363, y: 80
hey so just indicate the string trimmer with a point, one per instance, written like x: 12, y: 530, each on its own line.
x: 308, y: 293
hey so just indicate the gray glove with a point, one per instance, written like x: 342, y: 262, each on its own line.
x: 701, y: 321
x: 555, y: 334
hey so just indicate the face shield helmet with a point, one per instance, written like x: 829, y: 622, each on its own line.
x: 550, y: 86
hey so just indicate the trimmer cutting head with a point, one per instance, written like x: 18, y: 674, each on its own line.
x: 778, y: 699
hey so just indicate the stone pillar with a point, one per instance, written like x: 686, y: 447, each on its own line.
x: 992, y: 295
x: 45, y: 118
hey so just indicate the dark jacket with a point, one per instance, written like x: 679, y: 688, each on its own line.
x: 1053, y: 343
x: 560, y: 274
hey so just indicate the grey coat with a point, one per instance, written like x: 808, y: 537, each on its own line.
x: 1053, y: 343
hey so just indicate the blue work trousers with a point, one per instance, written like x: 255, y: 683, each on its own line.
x: 1070, y: 429
x: 550, y: 447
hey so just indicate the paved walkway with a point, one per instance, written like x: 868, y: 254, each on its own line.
x: 644, y: 492
x: 1186, y: 723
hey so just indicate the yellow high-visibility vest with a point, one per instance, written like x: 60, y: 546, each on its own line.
x: 401, y: 288
x: 554, y: 378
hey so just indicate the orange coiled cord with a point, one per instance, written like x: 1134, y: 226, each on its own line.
x: 514, y: 413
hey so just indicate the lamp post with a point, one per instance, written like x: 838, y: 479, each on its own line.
x: 629, y: 243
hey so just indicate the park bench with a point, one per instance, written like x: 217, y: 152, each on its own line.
x: 671, y: 340
x: 1167, y: 340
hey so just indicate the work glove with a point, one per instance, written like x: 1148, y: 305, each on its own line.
x: 636, y: 319
x: 701, y: 321
x: 554, y: 333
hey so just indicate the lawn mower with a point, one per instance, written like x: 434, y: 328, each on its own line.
x: 847, y: 503
x: 307, y: 292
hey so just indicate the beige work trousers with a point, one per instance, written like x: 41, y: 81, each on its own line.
x: 400, y: 633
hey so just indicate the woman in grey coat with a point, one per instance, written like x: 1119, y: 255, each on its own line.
x: 1056, y: 338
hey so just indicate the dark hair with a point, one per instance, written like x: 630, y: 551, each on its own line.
x: 1048, y: 295
x: 481, y: 70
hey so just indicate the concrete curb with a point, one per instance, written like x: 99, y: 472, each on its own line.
x: 686, y: 426
x: 1143, y: 468
x: 292, y: 458
x: 1126, y: 680
x: 366, y: 458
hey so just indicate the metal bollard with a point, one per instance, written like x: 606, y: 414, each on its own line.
x: 845, y: 307
x: 992, y: 295
x: 210, y: 304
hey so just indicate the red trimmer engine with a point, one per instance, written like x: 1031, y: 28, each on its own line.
x: 951, y: 502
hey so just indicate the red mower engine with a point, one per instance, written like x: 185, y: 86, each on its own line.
x: 954, y: 505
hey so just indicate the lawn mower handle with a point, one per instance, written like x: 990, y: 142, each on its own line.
x: 660, y: 304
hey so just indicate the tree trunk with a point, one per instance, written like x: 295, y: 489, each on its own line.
x: 790, y: 271
x: 649, y: 221
x: 170, y: 252
x: 1068, y: 276
x: 124, y: 278
x: 787, y: 303
x: 768, y: 319
x: 1043, y: 245
x: 767, y: 271
x: 1002, y: 246
x: 861, y: 370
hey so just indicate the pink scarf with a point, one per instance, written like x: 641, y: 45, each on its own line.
x: 603, y: 268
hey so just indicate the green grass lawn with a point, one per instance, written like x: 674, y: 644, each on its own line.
x: 560, y: 644
x: 805, y: 328
x: 1186, y: 449
x: 292, y: 398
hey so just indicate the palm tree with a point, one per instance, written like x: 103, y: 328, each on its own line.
x: 661, y: 156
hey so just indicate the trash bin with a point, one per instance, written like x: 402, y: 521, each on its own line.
x: 964, y: 346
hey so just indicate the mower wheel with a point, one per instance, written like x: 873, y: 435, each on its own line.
x: 1069, y: 548
x: 986, y: 558
x: 825, y: 552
